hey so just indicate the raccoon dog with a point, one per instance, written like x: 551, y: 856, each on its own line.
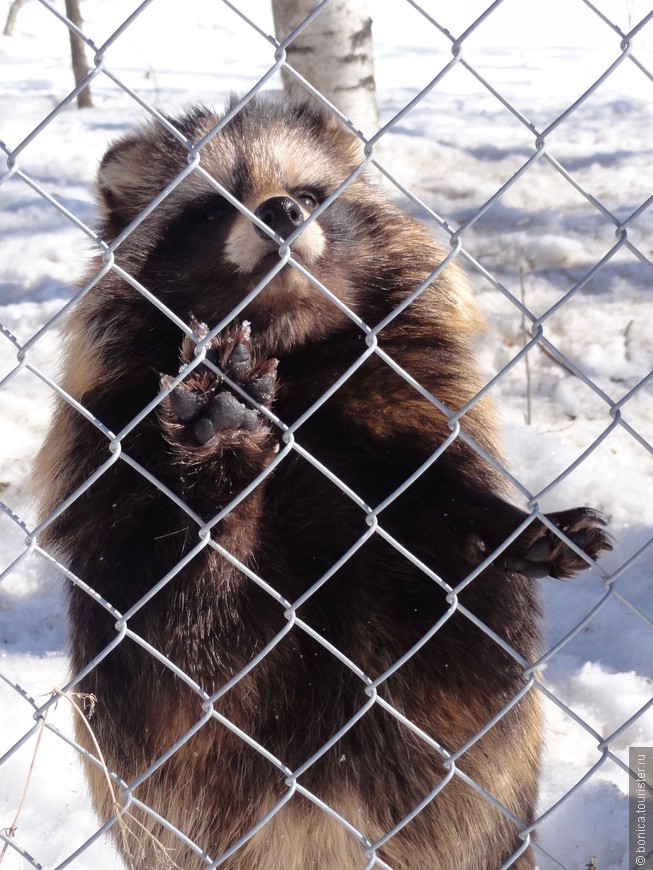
x: 289, y: 678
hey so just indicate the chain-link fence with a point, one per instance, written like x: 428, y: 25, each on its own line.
x: 523, y: 141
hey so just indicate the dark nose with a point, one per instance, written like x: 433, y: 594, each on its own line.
x: 281, y: 214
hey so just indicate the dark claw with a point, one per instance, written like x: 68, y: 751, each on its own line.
x: 239, y: 362
x: 186, y: 404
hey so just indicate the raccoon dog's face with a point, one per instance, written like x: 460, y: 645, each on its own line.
x: 198, y: 253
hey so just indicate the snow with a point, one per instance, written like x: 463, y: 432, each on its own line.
x: 454, y: 151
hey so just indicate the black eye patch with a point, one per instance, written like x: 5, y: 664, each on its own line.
x: 309, y: 197
x: 214, y: 208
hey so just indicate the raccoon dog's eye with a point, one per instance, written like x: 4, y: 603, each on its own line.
x: 215, y: 209
x: 307, y: 200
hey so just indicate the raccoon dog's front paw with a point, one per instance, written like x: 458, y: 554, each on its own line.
x: 539, y: 552
x: 204, y: 404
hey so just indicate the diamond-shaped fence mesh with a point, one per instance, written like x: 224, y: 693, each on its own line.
x: 520, y: 134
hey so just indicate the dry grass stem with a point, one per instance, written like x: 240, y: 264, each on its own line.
x: 165, y: 860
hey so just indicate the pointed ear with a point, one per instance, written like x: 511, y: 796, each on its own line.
x: 123, y: 183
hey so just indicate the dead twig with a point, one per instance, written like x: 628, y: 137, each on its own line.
x: 11, y: 830
x: 88, y: 703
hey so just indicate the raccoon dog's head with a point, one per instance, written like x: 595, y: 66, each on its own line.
x: 199, y: 253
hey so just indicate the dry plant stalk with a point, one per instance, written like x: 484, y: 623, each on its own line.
x: 165, y: 859
x: 11, y: 830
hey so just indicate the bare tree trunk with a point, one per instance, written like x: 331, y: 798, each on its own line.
x: 334, y: 53
x: 11, y: 17
x: 80, y: 66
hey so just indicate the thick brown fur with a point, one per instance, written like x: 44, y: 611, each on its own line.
x: 200, y: 256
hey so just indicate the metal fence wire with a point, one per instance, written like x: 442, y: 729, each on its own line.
x: 616, y: 583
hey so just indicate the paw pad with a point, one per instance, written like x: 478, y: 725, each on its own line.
x: 185, y: 404
x: 203, y: 400
x: 239, y: 362
x: 224, y: 411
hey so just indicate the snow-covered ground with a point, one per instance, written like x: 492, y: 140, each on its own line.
x: 454, y: 151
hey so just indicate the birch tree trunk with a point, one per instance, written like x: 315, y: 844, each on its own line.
x: 11, y: 17
x: 334, y: 53
x: 78, y: 55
